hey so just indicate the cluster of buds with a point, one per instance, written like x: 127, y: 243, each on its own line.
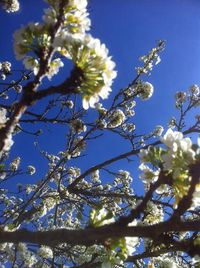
x: 141, y: 89
x: 10, y: 5
x: 5, y: 69
x: 151, y: 59
x: 192, y: 95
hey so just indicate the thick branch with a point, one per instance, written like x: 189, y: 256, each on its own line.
x: 90, y: 236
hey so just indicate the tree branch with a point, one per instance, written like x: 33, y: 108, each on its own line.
x: 91, y: 236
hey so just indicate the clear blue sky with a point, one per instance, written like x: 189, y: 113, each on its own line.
x: 129, y: 28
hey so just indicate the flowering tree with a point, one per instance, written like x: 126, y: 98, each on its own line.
x: 93, y: 217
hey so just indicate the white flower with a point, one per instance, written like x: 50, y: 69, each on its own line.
x: 148, y: 174
x: 171, y: 137
x: 163, y: 189
x: 194, y: 89
x: 78, y: 126
x: 158, y: 131
x: 3, y: 118
x: 131, y: 243
x: 11, y: 5
x: 125, y: 176
x: 14, y: 165
x: 27, y: 37
x: 45, y: 252
x: 31, y: 64
x: 50, y: 16
x: 176, y: 159
x: 6, y: 67
x: 68, y: 103
x: 95, y: 177
x: 31, y: 170
x: 146, y: 90
x: 143, y: 155
x: 80, y: 4
x: 154, y: 213
x: 101, y: 217
x: 100, y: 108
x: 116, y: 118
x: 2, y: 175
x: 180, y: 97
x: 79, y: 146
x: 49, y: 203
x: 54, y: 68
x: 105, y: 66
x: 175, y: 140
x: 167, y: 263
x: 92, y: 58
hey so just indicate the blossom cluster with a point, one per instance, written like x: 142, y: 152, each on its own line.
x: 152, y: 58
x: 75, y: 16
x: 192, y: 94
x: 119, y: 249
x: 34, y: 41
x: 165, y: 261
x: 154, y: 214
x: 14, y: 165
x: 5, y: 69
x: 92, y: 58
x: 142, y: 89
x: 175, y: 160
x: 116, y: 118
x: 10, y: 5
x: 78, y: 126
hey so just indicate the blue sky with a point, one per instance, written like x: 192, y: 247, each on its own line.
x: 129, y: 28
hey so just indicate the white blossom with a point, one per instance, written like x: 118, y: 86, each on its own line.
x: 95, y: 176
x: 10, y: 5
x: 149, y: 175
x: 68, y: 103
x: 116, y: 118
x: 158, y: 131
x: 167, y: 263
x: 154, y: 213
x: 194, y: 89
x: 45, y: 252
x: 14, y: 165
x: 31, y: 170
x: 31, y: 64
x: 146, y: 90
x: 178, y: 148
x: 77, y: 126
x: 79, y: 146
x: 75, y: 16
x: 180, y: 98
x: 92, y: 58
x: 5, y: 67
x: 175, y: 140
x: 54, y: 67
